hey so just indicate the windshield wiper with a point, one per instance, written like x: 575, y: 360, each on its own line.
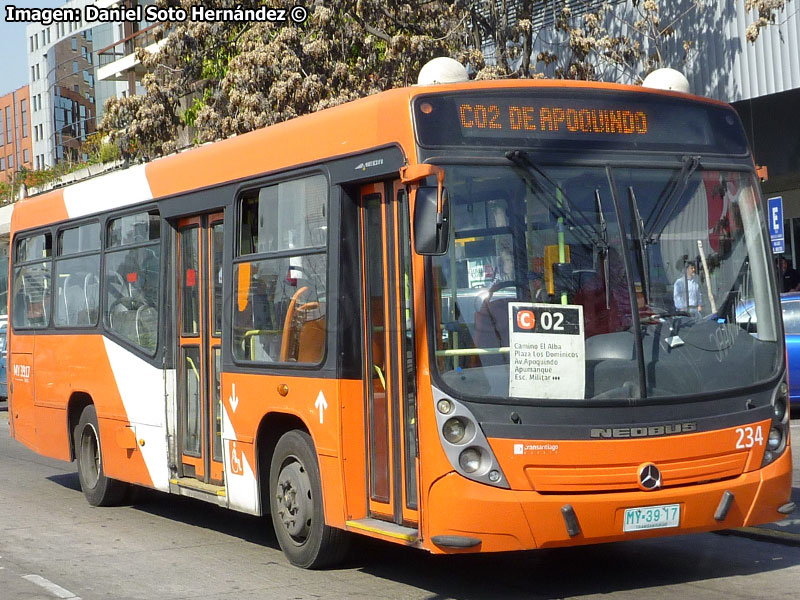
x: 587, y: 230
x: 601, y: 219
x: 690, y: 164
x: 642, y: 255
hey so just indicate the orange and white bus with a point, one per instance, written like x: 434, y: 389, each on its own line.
x: 470, y: 317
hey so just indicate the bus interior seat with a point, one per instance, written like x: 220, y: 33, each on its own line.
x: 76, y: 306
x: 146, y: 322
x: 37, y: 298
x: 311, y: 341
x: 91, y: 291
x: 290, y: 326
x: 122, y: 321
x: 62, y: 308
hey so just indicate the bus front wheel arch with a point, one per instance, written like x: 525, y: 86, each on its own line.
x: 295, y: 498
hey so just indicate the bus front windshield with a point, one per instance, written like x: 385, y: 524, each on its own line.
x: 573, y: 283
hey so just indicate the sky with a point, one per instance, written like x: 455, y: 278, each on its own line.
x: 14, y: 65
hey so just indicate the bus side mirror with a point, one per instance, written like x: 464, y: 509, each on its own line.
x: 431, y: 227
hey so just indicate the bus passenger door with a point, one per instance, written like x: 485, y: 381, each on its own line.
x: 199, y: 332
x: 389, y: 365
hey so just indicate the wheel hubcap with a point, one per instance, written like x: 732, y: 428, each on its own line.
x: 90, y: 456
x: 295, y: 505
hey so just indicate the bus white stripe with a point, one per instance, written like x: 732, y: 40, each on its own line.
x: 114, y: 190
x: 144, y: 389
x: 241, y: 487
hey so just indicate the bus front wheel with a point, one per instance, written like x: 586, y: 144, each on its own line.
x: 98, y: 489
x: 296, y: 505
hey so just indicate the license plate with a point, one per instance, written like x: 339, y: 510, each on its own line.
x: 652, y: 517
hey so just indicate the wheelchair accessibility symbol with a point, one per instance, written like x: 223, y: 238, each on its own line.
x: 235, y: 459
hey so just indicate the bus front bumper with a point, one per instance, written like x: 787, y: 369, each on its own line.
x: 496, y: 520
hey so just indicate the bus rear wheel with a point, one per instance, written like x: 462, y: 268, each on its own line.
x: 296, y: 505
x: 98, y: 489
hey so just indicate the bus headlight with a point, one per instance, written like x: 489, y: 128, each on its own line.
x: 471, y: 459
x: 778, y: 438
x: 454, y: 430
x: 444, y: 406
x: 775, y: 439
x: 457, y: 430
x: 779, y: 409
x: 464, y: 442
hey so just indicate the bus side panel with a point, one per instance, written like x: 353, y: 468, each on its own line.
x: 353, y: 448
x: 57, y: 366
x: 248, y: 398
x: 128, y: 395
x: 20, y: 390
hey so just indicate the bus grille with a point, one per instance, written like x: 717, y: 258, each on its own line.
x: 588, y: 478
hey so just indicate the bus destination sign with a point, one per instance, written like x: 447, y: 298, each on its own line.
x: 549, y: 118
x: 521, y: 117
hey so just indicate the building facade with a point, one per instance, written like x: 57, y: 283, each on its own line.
x: 68, y: 83
x: 15, y: 133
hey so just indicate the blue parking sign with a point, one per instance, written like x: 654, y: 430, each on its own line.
x: 775, y: 223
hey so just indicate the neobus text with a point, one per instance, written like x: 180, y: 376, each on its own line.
x: 652, y: 431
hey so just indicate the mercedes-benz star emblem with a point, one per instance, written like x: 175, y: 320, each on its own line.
x: 649, y: 477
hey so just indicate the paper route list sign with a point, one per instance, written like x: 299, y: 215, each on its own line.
x: 547, y: 353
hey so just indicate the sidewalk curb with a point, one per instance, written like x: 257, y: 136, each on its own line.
x: 765, y: 534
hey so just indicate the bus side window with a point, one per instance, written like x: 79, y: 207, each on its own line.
x: 281, y: 317
x: 131, y: 278
x: 32, y: 295
x: 280, y: 308
x: 32, y: 283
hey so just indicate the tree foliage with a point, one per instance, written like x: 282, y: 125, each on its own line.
x: 767, y: 13
x: 241, y: 76
x: 218, y: 79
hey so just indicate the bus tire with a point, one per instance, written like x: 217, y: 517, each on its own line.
x: 295, y: 500
x: 98, y: 489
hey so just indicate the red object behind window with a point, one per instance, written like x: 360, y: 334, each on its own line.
x: 291, y: 280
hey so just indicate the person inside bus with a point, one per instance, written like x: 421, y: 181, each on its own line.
x: 686, y: 292
x: 790, y: 278
x: 505, y: 267
x: 606, y: 312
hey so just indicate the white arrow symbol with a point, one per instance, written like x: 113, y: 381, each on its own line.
x: 234, y: 399
x: 321, y: 404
